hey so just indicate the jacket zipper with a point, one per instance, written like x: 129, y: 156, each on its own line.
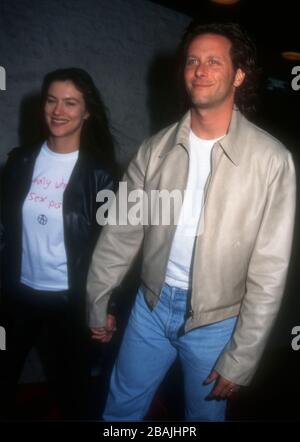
x: 171, y: 242
x: 206, y: 188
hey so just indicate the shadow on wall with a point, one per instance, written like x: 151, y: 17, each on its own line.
x: 29, y: 133
x: 165, y: 105
x: 30, y: 120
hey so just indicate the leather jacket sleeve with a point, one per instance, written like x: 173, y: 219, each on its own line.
x: 117, y: 247
x: 266, y: 278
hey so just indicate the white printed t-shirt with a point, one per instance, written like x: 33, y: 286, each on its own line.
x: 44, y: 261
x: 180, y: 259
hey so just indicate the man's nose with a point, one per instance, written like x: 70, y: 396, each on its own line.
x: 201, y: 70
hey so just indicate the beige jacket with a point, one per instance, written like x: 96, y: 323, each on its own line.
x: 241, y: 259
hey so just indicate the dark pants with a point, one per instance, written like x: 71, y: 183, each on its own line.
x: 65, y: 346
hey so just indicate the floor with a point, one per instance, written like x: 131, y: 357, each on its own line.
x: 273, y: 396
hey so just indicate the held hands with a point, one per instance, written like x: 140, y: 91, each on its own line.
x: 104, y: 334
x: 223, y: 388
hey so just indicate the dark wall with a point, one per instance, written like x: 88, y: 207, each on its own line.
x: 127, y: 47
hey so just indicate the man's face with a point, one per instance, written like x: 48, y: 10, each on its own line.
x: 209, y: 76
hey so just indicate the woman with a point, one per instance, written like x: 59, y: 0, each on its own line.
x: 50, y: 229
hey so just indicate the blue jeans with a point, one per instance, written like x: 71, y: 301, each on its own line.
x: 150, y: 345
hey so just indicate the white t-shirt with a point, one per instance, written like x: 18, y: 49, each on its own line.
x: 180, y: 259
x: 44, y: 261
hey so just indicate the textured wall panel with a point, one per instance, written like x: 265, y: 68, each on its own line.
x: 126, y: 45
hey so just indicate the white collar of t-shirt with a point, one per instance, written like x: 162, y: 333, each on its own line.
x: 205, y: 143
x: 45, y: 150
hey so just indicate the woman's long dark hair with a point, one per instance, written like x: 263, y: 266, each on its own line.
x: 95, y: 136
x: 243, y: 56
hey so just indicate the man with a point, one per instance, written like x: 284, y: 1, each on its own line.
x: 211, y: 286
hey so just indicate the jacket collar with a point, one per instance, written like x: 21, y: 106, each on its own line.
x: 231, y: 143
x: 234, y: 140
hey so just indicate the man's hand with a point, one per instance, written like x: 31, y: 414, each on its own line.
x: 223, y: 388
x: 104, y: 334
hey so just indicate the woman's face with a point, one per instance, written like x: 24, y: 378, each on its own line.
x: 65, y: 110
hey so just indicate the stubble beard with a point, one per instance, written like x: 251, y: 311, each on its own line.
x: 209, y: 103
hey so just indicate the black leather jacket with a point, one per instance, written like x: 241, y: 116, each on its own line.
x: 81, y: 230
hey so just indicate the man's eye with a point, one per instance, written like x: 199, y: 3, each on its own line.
x: 213, y: 61
x: 50, y: 100
x: 191, y: 61
x: 70, y: 103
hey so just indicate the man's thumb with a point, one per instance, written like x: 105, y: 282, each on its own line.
x: 212, y: 377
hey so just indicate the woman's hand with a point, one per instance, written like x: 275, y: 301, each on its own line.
x: 104, y: 334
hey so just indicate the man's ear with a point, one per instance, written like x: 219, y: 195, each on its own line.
x: 239, y: 77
